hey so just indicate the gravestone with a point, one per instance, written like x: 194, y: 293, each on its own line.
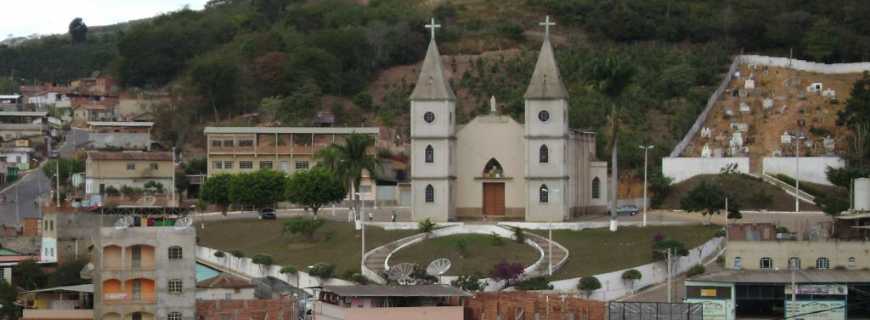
x: 740, y: 126
x: 829, y: 93
x: 829, y: 144
x: 706, y: 132
x: 729, y: 112
x: 816, y: 87
x: 742, y: 93
x: 749, y: 84
x: 705, y: 151
x: 717, y: 152
x: 785, y: 138
x: 736, y: 140
x: 783, y: 109
x: 744, y: 107
x: 767, y: 103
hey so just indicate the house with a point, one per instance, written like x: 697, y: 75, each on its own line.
x: 132, y: 169
x: 9, y: 259
x: 17, y: 156
x: 93, y: 112
x: 225, y: 286
x: 23, y: 124
x: 423, y: 302
x: 59, y: 303
x: 120, y: 135
x: 10, y: 102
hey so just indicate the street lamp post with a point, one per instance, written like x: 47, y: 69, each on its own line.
x: 646, y: 149
x: 797, y: 169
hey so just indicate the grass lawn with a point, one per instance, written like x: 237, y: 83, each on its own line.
x: 335, y: 242
x: 481, y: 253
x: 596, y: 251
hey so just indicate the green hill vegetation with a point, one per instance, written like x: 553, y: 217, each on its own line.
x: 287, y: 59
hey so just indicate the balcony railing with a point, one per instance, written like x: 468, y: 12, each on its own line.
x: 124, y: 298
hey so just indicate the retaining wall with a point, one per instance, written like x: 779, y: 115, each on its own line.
x: 804, y: 65
x: 681, y: 169
x: 812, y: 169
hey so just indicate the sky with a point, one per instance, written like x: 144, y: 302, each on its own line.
x: 26, y: 17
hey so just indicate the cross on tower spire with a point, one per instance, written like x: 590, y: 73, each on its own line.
x: 546, y: 24
x: 432, y: 26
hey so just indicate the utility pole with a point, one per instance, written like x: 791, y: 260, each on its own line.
x: 57, y: 182
x: 362, y: 257
x: 669, y: 275
x: 797, y: 175
x: 550, y: 248
x: 646, y: 149
x: 173, y: 177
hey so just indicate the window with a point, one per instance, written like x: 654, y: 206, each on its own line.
x: 51, y: 225
x: 429, y: 117
x: 131, y: 166
x: 217, y: 164
x: 174, y: 316
x: 228, y: 143
x: 430, y: 154
x: 765, y: 263
x: 136, y: 257
x: 175, y: 286
x: 544, y: 154
x: 430, y: 194
x: 136, y: 316
x: 175, y: 253
x: 216, y: 143
x: 794, y: 263
x: 228, y: 164
x: 246, y: 164
x: 266, y: 165
x: 738, y: 263
x: 544, y: 194
x: 154, y: 166
x: 596, y: 188
x: 137, y: 290
x: 543, y: 116
x: 246, y: 143
x: 365, y: 189
x: 851, y: 262
x: 823, y: 263
x: 301, y: 165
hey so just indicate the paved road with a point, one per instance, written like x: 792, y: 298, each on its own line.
x: 34, y: 185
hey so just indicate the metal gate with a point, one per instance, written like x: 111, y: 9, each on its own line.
x: 618, y: 310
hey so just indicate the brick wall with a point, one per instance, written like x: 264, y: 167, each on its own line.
x: 268, y: 309
x: 525, y: 306
x: 32, y: 227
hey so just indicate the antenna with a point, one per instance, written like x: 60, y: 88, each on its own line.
x: 438, y: 267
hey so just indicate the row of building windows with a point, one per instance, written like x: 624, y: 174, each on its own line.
x: 543, y: 192
x: 794, y: 263
x: 244, y: 164
x: 132, y: 166
x: 230, y: 143
x: 543, y: 154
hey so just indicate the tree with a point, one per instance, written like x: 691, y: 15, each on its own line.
x: 351, y: 159
x: 822, y: 40
x: 304, y: 226
x: 258, y: 189
x: 8, y: 299
x: 470, y: 283
x: 856, y: 116
x: 67, y: 167
x: 314, y: 189
x: 78, y: 31
x: 215, y: 191
x: 29, y: 275
x: 322, y: 270
x: 507, y: 272
x: 632, y: 276
x: 660, y: 249
x: 216, y: 79
x: 426, y: 226
x: 705, y: 198
x: 67, y: 274
x: 588, y: 285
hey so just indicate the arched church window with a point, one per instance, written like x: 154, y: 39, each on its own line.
x: 596, y: 188
x: 544, y: 194
x: 544, y: 154
x: 430, y: 154
x: 493, y: 169
x: 430, y: 193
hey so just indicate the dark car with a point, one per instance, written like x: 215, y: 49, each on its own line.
x: 267, y: 214
x: 627, y: 210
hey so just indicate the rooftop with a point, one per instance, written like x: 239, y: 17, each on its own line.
x: 130, y: 155
x: 120, y: 124
x: 784, y: 276
x: 396, y: 291
x: 23, y: 114
x: 225, y: 281
x: 273, y: 130
x: 85, y: 288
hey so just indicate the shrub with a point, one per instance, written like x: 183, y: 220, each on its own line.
x: 534, y: 283
x: 219, y: 254
x: 495, y: 240
x: 289, y: 269
x: 632, y: 275
x: 506, y: 271
x: 462, y: 247
x: 519, y: 235
x: 237, y: 254
x: 322, y: 270
x: 588, y: 285
x: 304, y: 226
x: 359, y: 278
x: 262, y: 259
x: 470, y: 283
x: 695, y: 270
x: 660, y: 249
x: 426, y: 226
x: 112, y: 191
x: 781, y: 229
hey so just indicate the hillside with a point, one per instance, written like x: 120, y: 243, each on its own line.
x: 763, y: 196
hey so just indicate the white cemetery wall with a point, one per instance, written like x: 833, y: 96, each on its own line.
x: 680, y: 169
x: 812, y: 169
x: 699, y: 122
x: 803, y: 65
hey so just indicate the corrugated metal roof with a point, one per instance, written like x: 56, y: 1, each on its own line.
x: 89, y: 288
x: 225, y: 281
x: 316, y: 130
x: 784, y: 276
x: 130, y: 155
x: 396, y: 291
x: 120, y: 124
x: 23, y: 114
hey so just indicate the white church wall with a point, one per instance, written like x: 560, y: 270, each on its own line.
x: 439, y: 167
x: 812, y: 169
x: 555, y: 209
x: 439, y: 210
x: 556, y: 125
x: 681, y: 169
x: 442, y: 126
x: 556, y: 164
x: 599, y: 170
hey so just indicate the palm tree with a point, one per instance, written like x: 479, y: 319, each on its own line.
x: 348, y: 161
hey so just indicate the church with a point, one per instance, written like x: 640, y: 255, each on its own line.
x: 494, y: 167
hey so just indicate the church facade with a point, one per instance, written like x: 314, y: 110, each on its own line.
x: 494, y: 167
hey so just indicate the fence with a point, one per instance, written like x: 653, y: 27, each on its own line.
x: 654, y: 310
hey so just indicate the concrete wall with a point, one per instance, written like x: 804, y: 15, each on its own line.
x: 127, y: 141
x: 680, y: 169
x: 812, y: 169
x: 222, y: 294
x: 613, y: 287
x: 802, y: 65
x: 837, y: 252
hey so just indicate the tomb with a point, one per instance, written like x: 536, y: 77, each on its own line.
x: 816, y: 87
x: 705, y: 151
x: 744, y: 107
x: 767, y: 103
x: 749, y: 84
x: 785, y: 138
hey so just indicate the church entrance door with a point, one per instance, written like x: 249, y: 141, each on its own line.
x: 493, y: 198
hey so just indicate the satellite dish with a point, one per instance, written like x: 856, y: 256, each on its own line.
x: 401, y: 273
x: 438, y: 267
x: 183, y: 222
x: 124, y: 222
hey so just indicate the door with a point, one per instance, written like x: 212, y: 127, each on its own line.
x: 493, y: 199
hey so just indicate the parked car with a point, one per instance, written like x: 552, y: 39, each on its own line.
x: 267, y: 214
x: 627, y: 210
